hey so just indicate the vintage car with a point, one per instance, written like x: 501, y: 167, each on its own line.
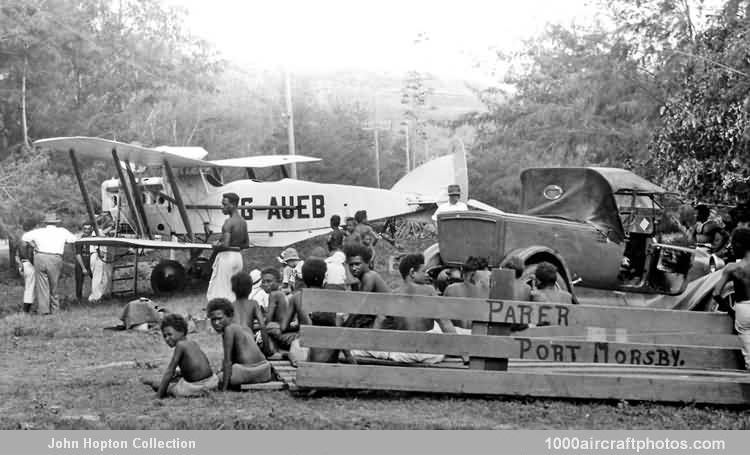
x: 598, y: 226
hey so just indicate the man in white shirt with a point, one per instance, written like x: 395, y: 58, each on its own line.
x: 453, y: 204
x: 336, y: 277
x: 257, y: 293
x: 49, y: 246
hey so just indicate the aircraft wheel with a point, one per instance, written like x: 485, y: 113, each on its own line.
x: 168, y: 276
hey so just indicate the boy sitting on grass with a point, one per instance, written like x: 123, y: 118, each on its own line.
x: 246, y: 311
x: 279, y: 335
x: 243, y: 362
x: 546, y: 281
x: 358, y: 258
x: 195, y: 377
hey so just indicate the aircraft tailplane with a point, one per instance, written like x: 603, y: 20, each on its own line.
x: 433, y: 177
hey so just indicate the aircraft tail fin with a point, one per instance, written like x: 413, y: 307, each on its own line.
x: 432, y: 178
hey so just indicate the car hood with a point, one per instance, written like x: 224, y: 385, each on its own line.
x: 584, y: 194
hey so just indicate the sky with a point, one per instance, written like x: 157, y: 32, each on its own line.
x: 376, y: 36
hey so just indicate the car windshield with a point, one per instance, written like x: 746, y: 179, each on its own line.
x: 641, y: 201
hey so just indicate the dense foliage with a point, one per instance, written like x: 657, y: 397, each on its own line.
x: 659, y: 87
x: 656, y: 86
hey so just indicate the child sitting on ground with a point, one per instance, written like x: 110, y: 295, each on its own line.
x: 358, y: 258
x: 247, y: 312
x: 546, y: 290
x: 195, y: 377
x: 277, y: 312
x: 313, y: 274
x: 243, y: 362
x: 521, y: 290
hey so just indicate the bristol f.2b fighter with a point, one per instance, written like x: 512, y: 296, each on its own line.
x: 178, y: 207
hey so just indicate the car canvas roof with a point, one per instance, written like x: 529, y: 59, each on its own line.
x: 585, y: 194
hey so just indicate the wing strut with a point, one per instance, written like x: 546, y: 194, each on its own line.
x: 128, y: 195
x: 84, y: 193
x: 138, y: 197
x: 178, y: 200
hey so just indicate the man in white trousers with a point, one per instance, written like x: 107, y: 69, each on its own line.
x: 228, y: 259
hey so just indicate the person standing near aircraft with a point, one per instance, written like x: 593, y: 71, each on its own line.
x: 453, y: 204
x: 25, y: 262
x: 85, y: 251
x: 363, y: 228
x: 49, y: 246
x: 228, y: 258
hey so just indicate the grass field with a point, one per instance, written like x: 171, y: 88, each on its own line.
x: 66, y: 372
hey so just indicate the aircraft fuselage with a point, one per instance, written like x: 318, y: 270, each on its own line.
x: 278, y: 213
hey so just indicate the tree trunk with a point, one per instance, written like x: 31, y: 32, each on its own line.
x: 24, y: 124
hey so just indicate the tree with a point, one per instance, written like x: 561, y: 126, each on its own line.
x: 573, y: 96
x: 333, y: 131
x: 99, y: 68
x: 702, y: 145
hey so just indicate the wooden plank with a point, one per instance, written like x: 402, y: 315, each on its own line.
x: 506, y: 311
x: 501, y: 288
x: 545, y: 349
x: 518, y: 364
x: 273, y: 385
x: 391, y: 363
x: 455, y: 381
x: 681, y: 338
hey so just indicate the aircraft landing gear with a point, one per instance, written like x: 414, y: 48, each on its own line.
x: 168, y: 276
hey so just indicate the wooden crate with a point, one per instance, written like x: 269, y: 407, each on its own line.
x: 586, y: 351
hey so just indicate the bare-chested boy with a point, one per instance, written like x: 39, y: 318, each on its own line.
x: 739, y: 274
x: 469, y: 288
x: 278, y: 309
x: 247, y: 312
x: 546, y: 289
x: 228, y: 259
x: 243, y: 362
x: 358, y: 258
x: 521, y: 289
x: 412, y: 269
x: 195, y: 377
x: 313, y: 274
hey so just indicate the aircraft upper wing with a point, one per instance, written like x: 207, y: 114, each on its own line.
x: 101, y: 149
x: 259, y: 161
x: 93, y: 147
x: 195, y: 153
x: 142, y: 243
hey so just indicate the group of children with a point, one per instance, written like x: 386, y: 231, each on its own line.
x: 264, y: 318
x: 258, y: 324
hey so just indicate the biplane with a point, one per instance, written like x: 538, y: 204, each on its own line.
x: 178, y: 205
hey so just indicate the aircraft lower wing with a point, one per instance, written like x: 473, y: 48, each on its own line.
x: 479, y: 205
x: 142, y: 243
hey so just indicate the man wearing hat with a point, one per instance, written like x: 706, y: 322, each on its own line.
x: 453, y: 204
x: 257, y: 293
x: 49, y: 246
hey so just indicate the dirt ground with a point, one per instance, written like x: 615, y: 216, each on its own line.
x: 66, y: 372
